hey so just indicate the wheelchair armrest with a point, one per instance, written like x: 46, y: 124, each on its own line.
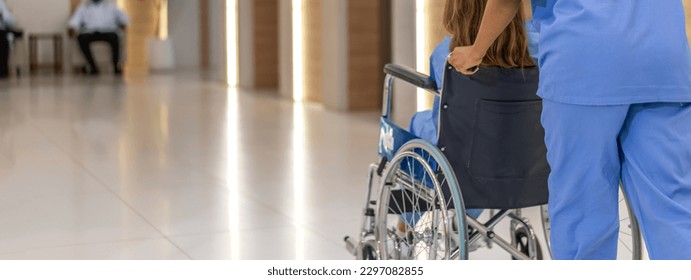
x: 411, y: 76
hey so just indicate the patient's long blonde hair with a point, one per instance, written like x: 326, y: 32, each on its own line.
x: 462, y: 19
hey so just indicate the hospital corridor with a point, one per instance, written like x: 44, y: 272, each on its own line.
x: 178, y: 167
x: 341, y: 130
x: 175, y: 167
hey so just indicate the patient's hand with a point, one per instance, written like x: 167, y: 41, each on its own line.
x: 465, y: 60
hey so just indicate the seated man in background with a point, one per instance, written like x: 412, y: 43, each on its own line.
x: 6, y: 21
x: 98, y: 20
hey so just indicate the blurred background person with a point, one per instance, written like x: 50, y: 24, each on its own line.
x: 7, y: 20
x: 98, y: 20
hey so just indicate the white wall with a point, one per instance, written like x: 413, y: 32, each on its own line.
x: 335, y: 53
x: 51, y: 16
x: 246, y: 43
x: 403, y: 52
x: 183, y: 29
x: 42, y: 16
x: 214, y: 33
x: 285, y: 44
x: 38, y: 16
x: 219, y: 39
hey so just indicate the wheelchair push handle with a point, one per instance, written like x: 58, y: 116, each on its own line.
x: 408, y: 75
x: 411, y: 76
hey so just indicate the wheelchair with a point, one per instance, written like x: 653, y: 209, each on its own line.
x: 490, y: 155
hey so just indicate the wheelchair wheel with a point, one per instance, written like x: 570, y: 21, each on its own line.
x: 420, y: 189
x: 368, y: 253
x: 630, y: 241
x: 522, y: 238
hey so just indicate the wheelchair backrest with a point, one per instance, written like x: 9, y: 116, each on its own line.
x: 490, y: 131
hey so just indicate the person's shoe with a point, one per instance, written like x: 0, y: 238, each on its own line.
x: 93, y: 72
x: 480, y: 243
x: 401, y: 226
x: 118, y: 71
x: 399, y: 243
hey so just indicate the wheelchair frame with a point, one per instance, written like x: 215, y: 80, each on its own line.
x: 369, y: 244
x: 366, y: 246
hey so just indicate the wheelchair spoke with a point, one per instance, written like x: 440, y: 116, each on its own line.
x: 434, y: 235
x: 415, y: 192
x: 398, y: 206
x: 627, y: 247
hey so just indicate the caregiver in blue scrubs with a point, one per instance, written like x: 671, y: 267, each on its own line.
x: 616, y: 83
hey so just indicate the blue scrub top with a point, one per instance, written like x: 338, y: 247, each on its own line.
x: 613, y: 52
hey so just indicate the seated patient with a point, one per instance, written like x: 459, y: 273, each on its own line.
x: 98, y: 20
x: 462, y: 20
x: 6, y: 21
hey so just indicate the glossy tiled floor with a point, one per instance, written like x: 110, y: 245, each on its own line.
x: 176, y: 167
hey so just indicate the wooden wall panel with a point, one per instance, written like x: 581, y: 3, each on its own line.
x: 312, y: 50
x: 385, y: 34
x: 265, y: 43
x: 285, y: 53
x: 364, y: 54
x: 204, y: 34
x: 142, y: 27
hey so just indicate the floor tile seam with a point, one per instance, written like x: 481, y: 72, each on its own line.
x: 176, y: 159
x: 246, y: 194
x: 78, y: 244
x: 273, y: 209
x: 325, y: 236
x: 248, y: 230
x: 111, y: 191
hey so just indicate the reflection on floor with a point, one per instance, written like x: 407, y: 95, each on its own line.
x: 178, y: 167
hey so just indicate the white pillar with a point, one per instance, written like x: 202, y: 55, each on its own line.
x: 403, y: 52
x: 246, y: 44
x: 218, y: 13
x: 335, y: 54
x: 285, y: 44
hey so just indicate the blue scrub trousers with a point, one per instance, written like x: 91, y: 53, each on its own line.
x: 591, y: 148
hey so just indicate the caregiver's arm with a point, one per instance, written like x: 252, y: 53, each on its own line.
x: 498, y: 14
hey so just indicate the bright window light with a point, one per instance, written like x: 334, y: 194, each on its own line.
x: 233, y: 172
x: 300, y: 173
x: 232, y: 122
x: 163, y: 21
